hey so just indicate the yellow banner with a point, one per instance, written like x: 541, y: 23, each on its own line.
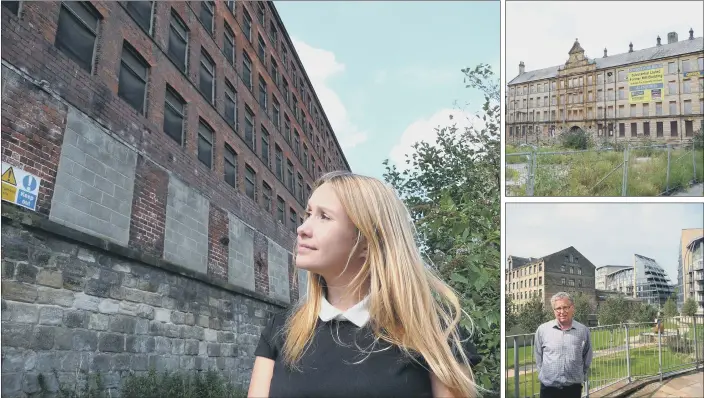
x: 645, y: 83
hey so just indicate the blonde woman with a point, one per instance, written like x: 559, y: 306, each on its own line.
x: 376, y: 322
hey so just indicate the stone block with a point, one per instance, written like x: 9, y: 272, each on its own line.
x: 191, y: 347
x: 162, y: 315
x: 18, y: 360
x: 139, y: 362
x: 63, y: 298
x: 109, y: 306
x: 51, y: 278
x: 22, y: 313
x: 211, y: 335
x: 102, y: 363
x: 162, y: 345
x: 122, y: 324
x: 11, y: 383
x: 26, y: 273
x: 50, y: 315
x: 121, y: 362
x: 98, y: 322
x: 17, y: 291
x: 76, y: 319
x: 111, y: 342
x: 86, y: 302
x: 43, y: 338
x: 16, y: 335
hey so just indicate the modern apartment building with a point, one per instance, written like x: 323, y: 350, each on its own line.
x: 655, y: 92
x: 604, y: 271
x: 690, y: 275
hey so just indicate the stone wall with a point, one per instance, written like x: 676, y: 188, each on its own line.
x: 67, y: 305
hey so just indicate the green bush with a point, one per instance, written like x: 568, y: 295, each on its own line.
x: 680, y: 344
x: 698, y: 140
x: 575, y: 139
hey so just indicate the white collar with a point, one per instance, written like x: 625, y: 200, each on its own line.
x: 357, y: 314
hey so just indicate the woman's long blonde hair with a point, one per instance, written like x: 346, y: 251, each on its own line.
x: 409, y: 306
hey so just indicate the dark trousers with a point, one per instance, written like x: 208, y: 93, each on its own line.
x: 572, y: 391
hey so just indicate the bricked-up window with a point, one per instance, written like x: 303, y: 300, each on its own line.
x: 293, y: 219
x: 178, y: 42
x: 280, y: 210
x: 77, y: 31
x: 673, y: 128
x: 205, y: 144
x: 277, y: 112
x: 230, y: 104
x: 287, y: 129
x: 250, y: 182
x: 299, y: 187
x: 173, y: 115
x: 687, y: 107
x: 279, y: 154
x: 265, y: 148
x: 132, y: 86
x: 247, y: 24
x: 247, y: 70
x: 206, y: 15
x: 249, y: 135
x: 207, y: 76
x: 622, y: 129
x: 289, y: 175
x: 262, y: 92
x: 673, y: 108
x: 634, y: 129
x: 228, y: 48
x: 141, y: 12
x: 230, y: 166
x: 646, y: 128
x: 296, y: 143
x: 659, y: 129
x: 266, y: 196
x: 305, y: 156
x: 12, y: 6
x: 688, y: 128
x: 261, y: 48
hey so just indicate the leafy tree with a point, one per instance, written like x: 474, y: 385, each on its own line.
x: 452, y: 190
x: 582, y: 308
x: 532, y: 315
x: 690, y: 307
x: 510, y: 318
x: 670, y: 308
x: 614, y: 310
x: 643, y: 312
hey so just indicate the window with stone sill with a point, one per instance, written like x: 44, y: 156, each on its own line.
x: 140, y: 11
x: 132, y: 85
x: 207, y: 10
x: 230, y: 166
x: 205, y: 144
x: 77, y: 31
x: 250, y: 182
x: 247, y: 24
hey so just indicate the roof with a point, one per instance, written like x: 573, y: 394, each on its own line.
x: 647, y: 54
x: 521, y: 261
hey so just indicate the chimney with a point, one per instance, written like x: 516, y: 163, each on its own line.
x: 691, y: 34
x: 521, y: 68
x: 659, y: 44
x: 630, y: 47
x: 672, y: 37
x: 605, y: 53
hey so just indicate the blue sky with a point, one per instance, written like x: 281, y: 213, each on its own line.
x: 387, y: 73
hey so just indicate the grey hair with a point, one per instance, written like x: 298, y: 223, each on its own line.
x: 560, y: 296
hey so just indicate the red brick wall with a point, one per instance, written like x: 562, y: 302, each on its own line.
x: 217, y: 251
x: 148, y: 222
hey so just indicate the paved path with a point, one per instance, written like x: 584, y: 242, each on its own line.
x: 690, y: 385
x: 694, y: 190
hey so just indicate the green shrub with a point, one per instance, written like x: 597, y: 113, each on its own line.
x: 575, y: 139
x: 698, y: 140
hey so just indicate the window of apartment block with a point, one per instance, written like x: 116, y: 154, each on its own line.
x: 671, y: 68
x: 289, y: 175
x: 141, y: 12
x: 279, y: 159
x: 205, y: 144
x: 634, y: 129
x: 12, y: 6
x: 262, y: 92
x: 230, y: 166
x: 562, y: 268
x: 247, y: 24
x: 562, y: 281
x: 622, y: 129
x: 307, y: 193
x: 579, y: 283
x: 299, y: 187
x: 77, y: 31
x: 571, y: 282
x: 687, y: 107
x: 247, y: 70
x: 249, y: 135
x: 261, y: 48
x: 633, y: 109
x: 284, y: 56
x: 132, y: 86
x: 673, y: 128
x: 621, y: 111
x: 275, y: 72
x: 231, y: 6
x: 206, y: 15
x: 658, y: 108
x: 646, y: 129
x: 276, y: 115
x: 673, y: 108
x: 265, y: 147
x: 230, y: 104
x: 700, y: 63
x: 296, y: 143
x: 579, y: 271
x: 293, y: 218
x: 646, y: 109
x: 581, y: 81
x: 659, y: 129
x: 621, y: 93
x: 266, y: 196
x: 611, y: 95
x: 687, y: 65
x: 287, y: 92
x: 296, y: 111
x: 590, y: 113
x: 671, y: 88
x: 287, y: 129
x: 305, y: 157
x: 260, y: 13
x: 173, y: 115
x: 622, y: 75
x: 687, y: 86
x: 280, y: 209
x: 250, y: 182
x: 207, y: 76
x: 688, y: 128
x: 273, y: 34
x: 228, y: 48
x: 178, y: 42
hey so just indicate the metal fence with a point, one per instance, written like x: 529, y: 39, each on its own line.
x: 621, y: 354
x: 644, y: 170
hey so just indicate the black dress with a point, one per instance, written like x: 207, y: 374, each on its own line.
x: 330, y: 369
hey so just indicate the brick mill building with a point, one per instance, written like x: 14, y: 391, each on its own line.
x: 594, y: 94
x: 176, y: 143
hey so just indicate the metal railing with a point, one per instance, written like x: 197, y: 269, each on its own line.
x: 621, y: 354
x: 651, y: 170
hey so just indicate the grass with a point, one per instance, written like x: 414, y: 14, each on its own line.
x: 511, y: 174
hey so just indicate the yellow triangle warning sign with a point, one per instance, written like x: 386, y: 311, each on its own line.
x: 9, y: 177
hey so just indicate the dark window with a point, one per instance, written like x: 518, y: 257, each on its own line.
x: 207, y: 76
x: 273, y: 33
x: 284, y: 57
x: 293, y: 218
x: 230, y: 104
x: 231, y: 6
x: 76, y: 33
x: 178, y: 42
x: 299, y: 187
x: 279, y: 163
x: 688, y: 128
x: 634, y: 129
x: 173, y: 115
x: 141, y: 12
x: 206, y: 15
x: 132, y: 86
x: 646, y: 128
x: 262, y: 92
x: 13, y: 6
x: 280, y: 209
x: 261, y: 49
x: 275, y: 72
x: 205, y: 144
x: 277, y: 113
x: 247, y: 70
x: 296, y: 143
x: 289, y: 175
x: 673, y: 128
x: 229, y: 45
x: 287, y: 129
x: 250, y: 182
x: 307, y: 192
x: 265, y: 147
x: 295, y: 109
x: 230, y: 166
x: 305, y: 156
x: 622, y: 129
x: 266, y: 196
x: 249, y: 128
x: 287, y: 93
x: 247, y: 24
x: 260, y: 13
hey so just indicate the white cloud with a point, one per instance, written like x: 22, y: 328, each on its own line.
x: 426, y: 76
x: 381, y: 76
x: 425, y: 130
x: 541, y: 33
x: 321, y: 66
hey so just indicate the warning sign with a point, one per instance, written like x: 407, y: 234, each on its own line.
x: 20, y: 187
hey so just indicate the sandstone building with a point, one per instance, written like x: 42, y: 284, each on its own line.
x: 690, y: 275
x: 172, y: 147
x: 652, y: 93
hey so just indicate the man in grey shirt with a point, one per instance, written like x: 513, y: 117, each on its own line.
x: 563, y: 351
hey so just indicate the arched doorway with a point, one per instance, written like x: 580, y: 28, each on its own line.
x: 574, y: 129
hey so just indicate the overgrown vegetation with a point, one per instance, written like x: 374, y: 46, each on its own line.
x: 452, y: 190
x: 576, y: 139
